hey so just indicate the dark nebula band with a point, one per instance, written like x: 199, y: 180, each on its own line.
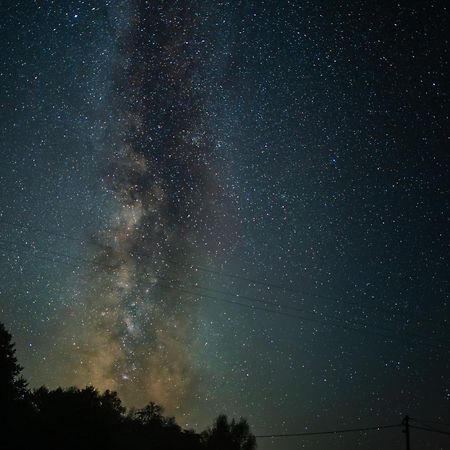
x: 160, y: 173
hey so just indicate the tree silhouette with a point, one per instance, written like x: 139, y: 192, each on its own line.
x: 151, y: 414
x: 74, y: 418
x: 12, y: 384
x: 15, y: 408
x: 77, y: 418
x: 225, y: 435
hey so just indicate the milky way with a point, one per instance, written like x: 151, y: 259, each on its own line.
x: 237, y: 207
x: 139, y: 325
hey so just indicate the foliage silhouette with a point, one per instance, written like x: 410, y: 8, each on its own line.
x: 77, y: 418
x: 12, y: 384
x: 15, y: 408
x: 225, y: 435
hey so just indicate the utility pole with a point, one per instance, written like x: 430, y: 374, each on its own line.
x: 405, y: 423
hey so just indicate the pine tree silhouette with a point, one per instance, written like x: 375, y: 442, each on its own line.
x: 74, y: 418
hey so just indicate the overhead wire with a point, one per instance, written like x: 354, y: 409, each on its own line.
x: 433, y: 430
x: 321, y: 433
x: 285, y: 289
x: 368, y: 330
x: 276, y: 303
x: 433, y: 422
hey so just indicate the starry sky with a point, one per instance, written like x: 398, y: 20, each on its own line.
x: 237, y: 207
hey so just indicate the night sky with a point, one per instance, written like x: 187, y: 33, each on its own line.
x: 237, y: 207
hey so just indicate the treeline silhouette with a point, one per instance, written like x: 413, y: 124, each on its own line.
x: 76, y: 418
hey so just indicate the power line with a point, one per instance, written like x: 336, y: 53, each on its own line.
x: 365, y: 330
x: 433, y: 430
x: 284, y: 289
x: 340, y: 324
x: 433, y: 422
x: 198, y: 294
x: 333, y: 322
x: 319, y: 433
x: 41, y: 230
x: 61, y: 255
x: 264, y: 301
